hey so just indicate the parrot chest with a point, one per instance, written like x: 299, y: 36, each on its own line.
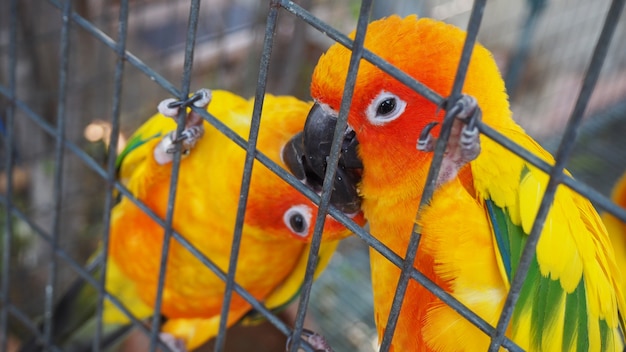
x: 456, y: 252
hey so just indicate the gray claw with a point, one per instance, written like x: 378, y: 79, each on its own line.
x: 426, y: 141
x: 469, y: 139
x: 470, y: 142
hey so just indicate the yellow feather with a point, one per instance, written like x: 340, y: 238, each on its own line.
x: 465, y: 260
x: 617, y: 233
x: 520, y: 331
x: 286, y: 291
x: 126, y: 291
x: 196, y: 332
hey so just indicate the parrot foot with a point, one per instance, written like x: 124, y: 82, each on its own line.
x: 464, y: 142
x: 194, y: 129
x: 174, y: 344
x: 170, y: 107
x: 470, y: 136
x: 317, y: 341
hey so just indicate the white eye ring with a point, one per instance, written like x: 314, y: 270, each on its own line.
x: 385, y: 108
x: 298, y: 219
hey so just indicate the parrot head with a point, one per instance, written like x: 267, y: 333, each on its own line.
x: 272, y: 203
x: 386, y: 117
x: 286, y: 212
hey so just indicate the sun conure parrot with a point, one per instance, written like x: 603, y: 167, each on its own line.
x: 486, y: 198
x: 276, y: 234
x: 616, y: 227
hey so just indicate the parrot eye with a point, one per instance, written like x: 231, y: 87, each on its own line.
x: 297, y: 219
x: 385, y: 108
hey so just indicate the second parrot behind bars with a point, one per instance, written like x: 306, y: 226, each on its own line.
x: 274, y: 246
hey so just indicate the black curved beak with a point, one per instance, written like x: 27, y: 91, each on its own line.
x: 306, y: 156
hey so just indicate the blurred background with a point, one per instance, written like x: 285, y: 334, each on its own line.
x: 542, y: 46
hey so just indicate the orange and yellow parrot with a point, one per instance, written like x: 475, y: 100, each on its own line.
x: 277, y: 229
x: 474, y: 229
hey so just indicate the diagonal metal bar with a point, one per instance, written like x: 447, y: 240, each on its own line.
x: 58, y: 173
x: 10, y: 150
x: 192, y: 26
x: 111, y: 172
x: 255, y: 123
x: 431, y: 180
x: 556, y: 174
x: 327, y: 186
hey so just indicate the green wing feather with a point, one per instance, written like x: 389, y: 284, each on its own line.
x: 136, y: 141
x: 545, y: 312
x: 541, y: 296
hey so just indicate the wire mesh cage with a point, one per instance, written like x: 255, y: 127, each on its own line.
x: 77, y: 77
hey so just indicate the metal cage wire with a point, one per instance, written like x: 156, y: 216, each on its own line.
x: 71, y: 19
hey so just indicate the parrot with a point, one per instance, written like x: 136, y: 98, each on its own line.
x: 474, y: 227
x: 277, y: 230
x: 616, y: 227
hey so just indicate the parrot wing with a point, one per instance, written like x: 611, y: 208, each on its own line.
x: 572, y: 288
